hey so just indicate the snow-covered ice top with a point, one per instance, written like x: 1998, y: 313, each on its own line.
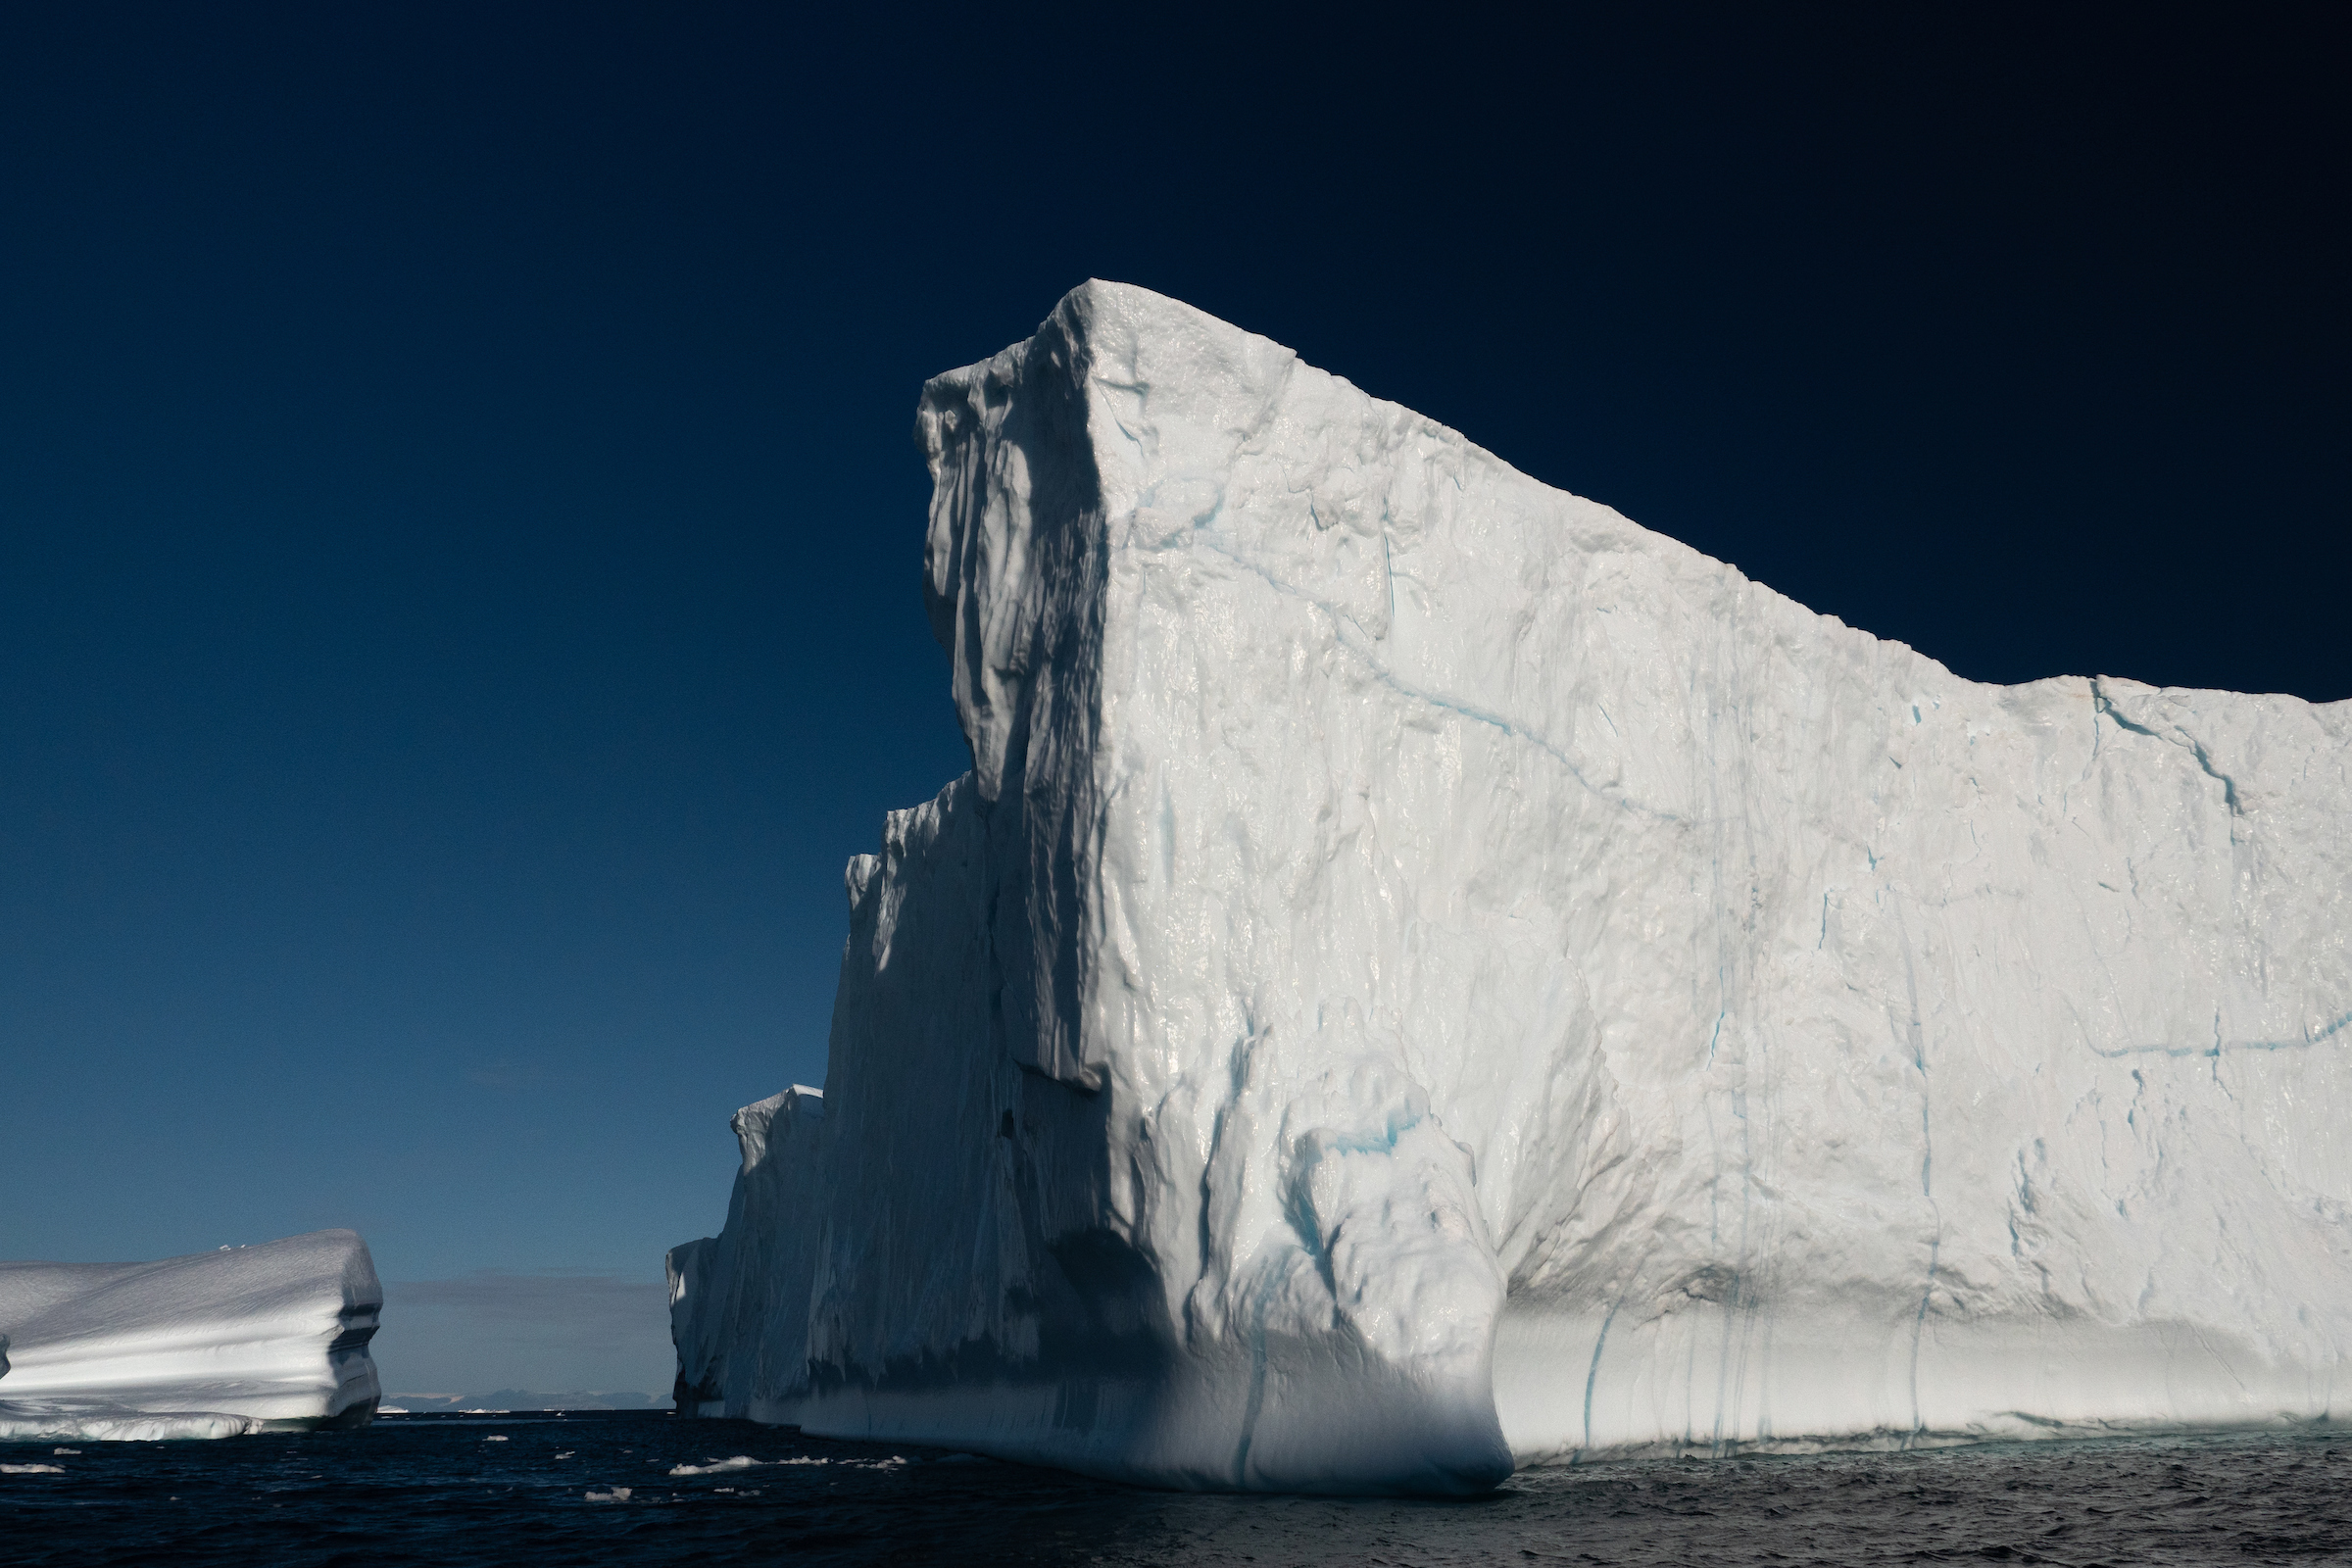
x: 1426, y: 972
x: 203, y: 1345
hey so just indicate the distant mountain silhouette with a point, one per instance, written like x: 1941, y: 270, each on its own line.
x: 523, y: 1399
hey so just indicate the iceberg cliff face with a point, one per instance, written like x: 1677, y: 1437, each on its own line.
x: 738, y: 1330
x: 1424, y: 971
x: 209, y: 1344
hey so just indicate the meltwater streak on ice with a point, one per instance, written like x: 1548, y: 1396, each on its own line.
x: 1425, y: 974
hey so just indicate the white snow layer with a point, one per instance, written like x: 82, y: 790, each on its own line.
x: 207, y: 1346
x: 1424, y: 972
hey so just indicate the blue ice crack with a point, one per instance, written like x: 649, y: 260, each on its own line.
x: 2179, y: 737
x: 1343, y: 622
x: 2217, y: 1046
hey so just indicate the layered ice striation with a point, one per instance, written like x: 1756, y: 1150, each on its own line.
x: 1425, y: 974
x: 243, y: 1339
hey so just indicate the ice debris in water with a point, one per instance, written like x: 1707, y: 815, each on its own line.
x: 616, y: 1495
x: 1424, y: 974
x: 742, y: 1462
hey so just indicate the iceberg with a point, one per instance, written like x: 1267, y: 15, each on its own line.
x: 1425, y: 975
x: 246, y: 1338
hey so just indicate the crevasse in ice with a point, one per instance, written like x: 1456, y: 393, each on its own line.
x: 211, y: 1345
x: 1425, y: 974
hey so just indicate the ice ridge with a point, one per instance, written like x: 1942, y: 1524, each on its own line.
x: 1425, y: 974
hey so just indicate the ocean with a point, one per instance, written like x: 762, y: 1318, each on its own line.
x: 633, y: 1486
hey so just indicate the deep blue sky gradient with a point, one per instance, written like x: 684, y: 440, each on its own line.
x: 458, y: 608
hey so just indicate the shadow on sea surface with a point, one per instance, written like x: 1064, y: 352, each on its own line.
x: 631, y: 1486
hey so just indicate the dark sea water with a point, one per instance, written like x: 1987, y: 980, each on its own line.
x: 542, y: 1489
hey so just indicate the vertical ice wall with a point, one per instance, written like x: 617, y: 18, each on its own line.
x: 1423, y: 970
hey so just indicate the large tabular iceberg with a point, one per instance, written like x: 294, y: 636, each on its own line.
x: 1425, y: 974
x: 211, y: 1345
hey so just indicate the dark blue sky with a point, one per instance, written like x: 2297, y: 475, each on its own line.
x: 459, y: 603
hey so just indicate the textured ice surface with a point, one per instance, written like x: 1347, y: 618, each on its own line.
x: 207, y: 1346
x: 1424, y: 971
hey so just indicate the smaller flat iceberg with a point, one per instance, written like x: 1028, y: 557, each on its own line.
x: 247, y: 1339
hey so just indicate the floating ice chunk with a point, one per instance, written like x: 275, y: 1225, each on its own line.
x: 742, y: 1462
x: 31, y: 1469
x: 616, y: 1495
x: 209, y: 1344
x: 1424, y: 972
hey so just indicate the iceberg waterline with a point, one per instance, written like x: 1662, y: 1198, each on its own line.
x: 1425, y: 974
x: 212, y: 1344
